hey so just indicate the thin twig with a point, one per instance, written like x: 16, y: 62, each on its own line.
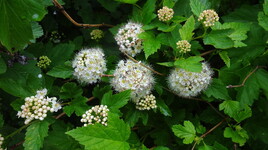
x: 60, y: 7
x: 198, y: 99
x: 131, y: 58
x: 244, y: 81
x: 207, y: 52
x: 16, y: 145
x: 107, y: 75
x: 208, y: 132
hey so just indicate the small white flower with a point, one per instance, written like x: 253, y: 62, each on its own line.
x: 146, y: 103
x: 97, y: 114
x: 40, y: 76
x: 189, y: 84
x: 165, y: 14
x: 131, y: 75
x: 1, y: 141
x: 89, y: 65
x: 36, y: 107
x: 127, y: 38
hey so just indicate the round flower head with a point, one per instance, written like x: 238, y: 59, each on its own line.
x: 189, y: 84
x: 133, y: 76
x: 89, y: 65
x: 184, y: 46
x: 43, y: 62
x: 97, y: 114
x: 208, y: 17
x: 146, y: 103
x: 96, y: 34
x: 1, y: 141
x: 165, y: 14
x: 36, y: 107
x: 127, y: 38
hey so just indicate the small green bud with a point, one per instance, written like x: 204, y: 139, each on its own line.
x: 43, y: 62
x: 96, y: 34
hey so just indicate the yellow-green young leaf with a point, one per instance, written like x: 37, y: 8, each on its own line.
x: 234, y: 110
x: 237, y: 136
x: 3, y: 66
x: 150, y: 43
x: 192, y: 63
x: 128, y: 1
x: 224, y: 56
x: 263, y: 20
x: 219, y: 39
x: 35, y: 135
x: 15, y: 24
x: 167, y: 64
x: 96, y: 137
x: 186, y: 132
x: 198, y: 6
x: 186, y: 32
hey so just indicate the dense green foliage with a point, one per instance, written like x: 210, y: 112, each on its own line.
x: 232, y: 113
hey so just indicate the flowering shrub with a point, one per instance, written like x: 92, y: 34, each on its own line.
x: 133, y: 74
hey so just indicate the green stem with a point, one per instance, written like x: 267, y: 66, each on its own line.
x: 199, y: 37
x: 137, y: 6
x: 19, y: 130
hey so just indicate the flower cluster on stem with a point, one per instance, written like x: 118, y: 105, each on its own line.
x: 208, y: 17
x: 97, y: 114
x: 127, y: 38
x: 37, y: 107
x: 43, y: 62
x: 133, y: 76
x: 189, y: 84
x: 89, y: 65
x: 184, y: 46
x: 96, y: 34
x: 165, y: 14
x: 146, y: 103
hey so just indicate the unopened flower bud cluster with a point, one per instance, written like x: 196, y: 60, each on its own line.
x: 43, y: 62
x: 208, y: 17
x: 89, y: 65
x: 165, y: 14
x: 133, y: 76
x: 1, y: 142
x: 37, y: 107
x: 97, y: 114
x: 146, y: 103
x: 56, y: 36
x: 127, y: 38
x: 184, y: 46
x: 96, y: 34
x: 189, y: 84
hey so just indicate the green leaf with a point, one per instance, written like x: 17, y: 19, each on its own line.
x: 37, y: 31
x: 114, y: 102
x: 3, y: 66
x: 205, y: 147
x: 218, y: 90
x: 150, y: 43
x: 262, y: 78
x: 186, y: 132
x: 95, y: 137
x: 70, y: 90
x: 186, y: 32
x: 249, y: 92
x: 265, y: 7
x: 78, y: 105
x: 190, y: 64
x: 169, y: 3
x: 167, y: 64
x: 219, y: 39
x: 161, y: 148
x: 147, y: 11
x: 128, y: 1
x: 16, y: 17
x: 198, y: 6
x: 99, y: 92
x: 133, y: 115
x: 234, y: 110
x: 263, y: 19
x: 236, y: 136
x: 61, y: 71
x: 35, y: 135
x: 111, y: 5
x: 1, y: 121
x: 163, y: 108
x: 224, y: 56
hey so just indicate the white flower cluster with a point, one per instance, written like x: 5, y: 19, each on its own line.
x: 146, y: 103
x: 133, y: 76
x: 165, y: 14
x: 209, y: 17
x: 96, y: 34
x: 189, y: 84
x: 97, y: 114
x: 127, y: 38
x: 184, y: 46
x: 89, y: 65
x: 36, y: 107
x: 1, y: 141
